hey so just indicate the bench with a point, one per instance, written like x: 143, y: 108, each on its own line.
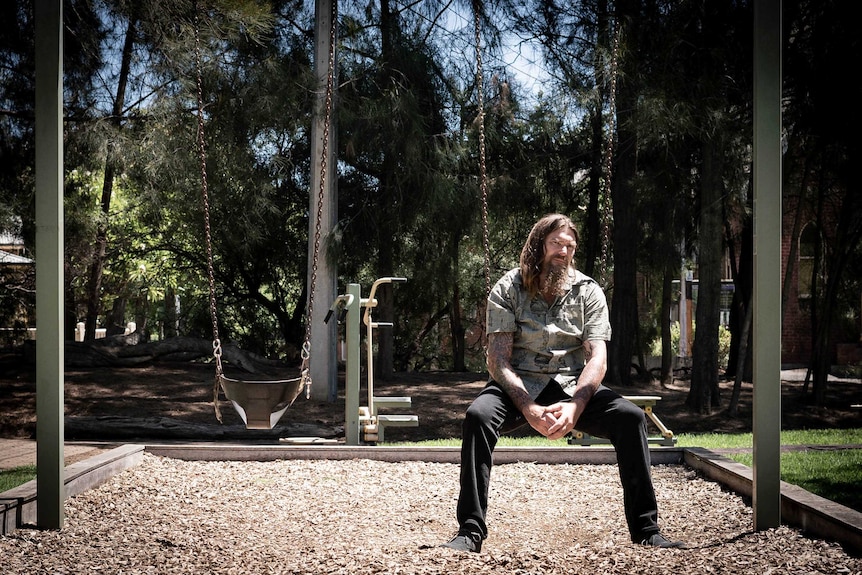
x: 647, y: 403
x: 373, y: 424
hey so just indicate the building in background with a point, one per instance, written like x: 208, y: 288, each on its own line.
x: 17, y: 291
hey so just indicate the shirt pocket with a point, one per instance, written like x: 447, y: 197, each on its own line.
x: 569, y: 318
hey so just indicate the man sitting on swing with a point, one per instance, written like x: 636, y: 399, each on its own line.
x: 547, y: 355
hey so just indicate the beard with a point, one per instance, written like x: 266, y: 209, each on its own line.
x: 555, y: 282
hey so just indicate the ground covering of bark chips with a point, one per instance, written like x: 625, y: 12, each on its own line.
x: 168, y: 516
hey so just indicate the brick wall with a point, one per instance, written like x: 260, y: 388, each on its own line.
x: 796, y: 325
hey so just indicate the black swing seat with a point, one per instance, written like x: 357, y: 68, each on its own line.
x: 261, y: 403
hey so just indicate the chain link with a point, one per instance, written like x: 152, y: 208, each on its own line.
x: 201, y: 146
x: 324, y: 157
x: 202, y: 157
x: 483, y: 172
x: 608, y: 155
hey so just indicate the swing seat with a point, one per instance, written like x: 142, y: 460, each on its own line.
x: 261, y: 404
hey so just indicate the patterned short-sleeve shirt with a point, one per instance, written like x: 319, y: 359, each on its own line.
x: 548, y: 338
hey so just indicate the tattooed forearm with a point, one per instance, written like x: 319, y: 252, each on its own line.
x: 500, y: 368
x: 596, y: 356
x: 499, y: 353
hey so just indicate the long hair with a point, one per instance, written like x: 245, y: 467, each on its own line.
x: 533, y: 252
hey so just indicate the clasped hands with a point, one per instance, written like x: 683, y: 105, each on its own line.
x: 553, y: 421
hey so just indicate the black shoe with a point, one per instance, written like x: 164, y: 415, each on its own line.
x: 659, y: 540
x: 465, y: 541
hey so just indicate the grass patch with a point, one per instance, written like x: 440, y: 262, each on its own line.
x: 833, y: 474
x: 791, y: 437
x: 16, y: 476
x: 705, y: 440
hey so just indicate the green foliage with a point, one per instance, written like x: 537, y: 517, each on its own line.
x: 655, y: 345
x: 257, y: 174
x: 724, y: 337
x: 138, y: 273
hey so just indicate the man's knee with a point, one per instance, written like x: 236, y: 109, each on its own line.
x: 629, y: 415
x: 487, y: 411
x: 479, y: 412
x: 474, y: 413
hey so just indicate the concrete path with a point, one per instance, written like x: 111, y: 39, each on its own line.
x: 18, y: 452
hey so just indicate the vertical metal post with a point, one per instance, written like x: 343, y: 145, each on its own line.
x: 683, y: 314
x: 322, y: 363
x: 49, y: 263
x: 351, y: 375
x: 767, y: 264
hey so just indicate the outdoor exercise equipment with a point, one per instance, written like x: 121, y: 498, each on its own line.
x: 365, y: 423
x: 645, y: 402
x: 260, y: 404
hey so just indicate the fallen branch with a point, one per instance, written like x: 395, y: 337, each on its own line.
x: 128, y: 351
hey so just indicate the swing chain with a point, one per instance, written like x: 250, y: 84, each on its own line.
x: 483, y: 177
x: 304, y: 370
x: 201, y: 144
x: 330, y: 80
x: 609, y: 151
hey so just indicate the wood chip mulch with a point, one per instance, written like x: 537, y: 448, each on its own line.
x: 168, y: 516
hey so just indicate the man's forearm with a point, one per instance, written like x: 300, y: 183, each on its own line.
x: 513, y: 386
x: 588, y: 383
x: 593, y: 374
x: 499, y: 352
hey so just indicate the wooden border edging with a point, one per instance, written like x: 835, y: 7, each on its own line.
x: 18, y: 505
x: 814, y: 515
x: 502, y: 455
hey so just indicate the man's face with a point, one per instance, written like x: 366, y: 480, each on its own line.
x: 559, y: 250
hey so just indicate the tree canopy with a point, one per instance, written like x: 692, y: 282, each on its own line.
x: 639, y: 128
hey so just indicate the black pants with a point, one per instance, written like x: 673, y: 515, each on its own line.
x: 607, y: 415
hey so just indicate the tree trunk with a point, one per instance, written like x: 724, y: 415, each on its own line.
x: 457, y: 330
x: 626, y: 235
x: 593, y: 236
x: 743, y: 289
x: 115, y: 321
x: 742, y: 357
x: 594, y: 223
x: 388, y: 220
x: 94, y: 286
x: 704, y: 392
x: 666, y: 376
x: 847, y: 237
x: 169, y: 327
x: 626, y: 229
x: 816, y: 308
